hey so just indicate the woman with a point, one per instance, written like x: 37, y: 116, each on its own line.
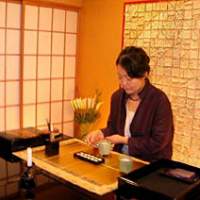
x: 140, y: 121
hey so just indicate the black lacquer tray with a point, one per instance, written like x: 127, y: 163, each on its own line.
x: 151, y: 182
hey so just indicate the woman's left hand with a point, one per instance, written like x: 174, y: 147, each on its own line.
x: 117, y: 139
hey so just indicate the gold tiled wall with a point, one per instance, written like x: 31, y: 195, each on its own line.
x: 170, y: 33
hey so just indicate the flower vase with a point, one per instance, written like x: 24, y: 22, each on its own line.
x: 84, y: 130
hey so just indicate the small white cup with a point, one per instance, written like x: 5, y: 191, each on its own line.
x: 125, y: 165
x: 104, y: 147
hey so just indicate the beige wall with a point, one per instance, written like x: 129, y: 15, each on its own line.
x: 100, y: 42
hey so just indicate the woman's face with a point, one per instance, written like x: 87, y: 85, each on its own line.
x: 132, y: 86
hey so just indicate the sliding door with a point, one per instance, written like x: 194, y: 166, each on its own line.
x: 38, y: 53
x: 50, y: 41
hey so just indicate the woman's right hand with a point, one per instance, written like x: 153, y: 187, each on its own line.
x: 94, y: 137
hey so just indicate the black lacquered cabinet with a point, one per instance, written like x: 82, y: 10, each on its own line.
x: 161, y: 180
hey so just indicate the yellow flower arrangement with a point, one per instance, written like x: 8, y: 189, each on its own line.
x: 86, y: 110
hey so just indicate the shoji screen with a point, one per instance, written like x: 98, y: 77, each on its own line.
x: 46, y: 44
x: 50, y: 39
x: 9, y: 65
x: 10, y: 45
x: 38, y: 46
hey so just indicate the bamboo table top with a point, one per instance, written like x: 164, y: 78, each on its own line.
x: 99, y: 179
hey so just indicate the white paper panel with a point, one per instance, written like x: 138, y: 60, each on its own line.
x: 70, y: 44
x: 45, y: 18
x: 69, y: 89
x: 2, y: 11
x: 2, y: 41
x: 12, y: 93
x: 13, y: 46
x: 13, y: 15
x: 31, y: 17
x: 43, y: 113
x: 44, y: 67
x: 29, y: 92
x: 56, y: 112
x: 2, y: 119
x: 29, y: 67
x: 71, y: 21
x: 56, y: 90
x: 69, y: 129
x: 58, y: 20
x: 68, y: 111
x: 29, y: 115
x: 12, y: 67
x: 43, y: 90
x: 70, y: 66
x: 57, y: 67
x: 2, y: 67
x: 58, y: 44
x: 2, y: 87
x: 30, y: 42
x: 12, y: 118
x: 44, y: 43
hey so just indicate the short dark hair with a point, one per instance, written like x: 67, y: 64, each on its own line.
x: 134, y: 60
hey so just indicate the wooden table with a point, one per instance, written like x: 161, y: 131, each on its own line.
x: 99, y: 179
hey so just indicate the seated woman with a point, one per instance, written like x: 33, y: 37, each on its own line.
x: 140, y: 122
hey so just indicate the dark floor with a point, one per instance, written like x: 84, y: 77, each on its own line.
x: 57, y: 191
